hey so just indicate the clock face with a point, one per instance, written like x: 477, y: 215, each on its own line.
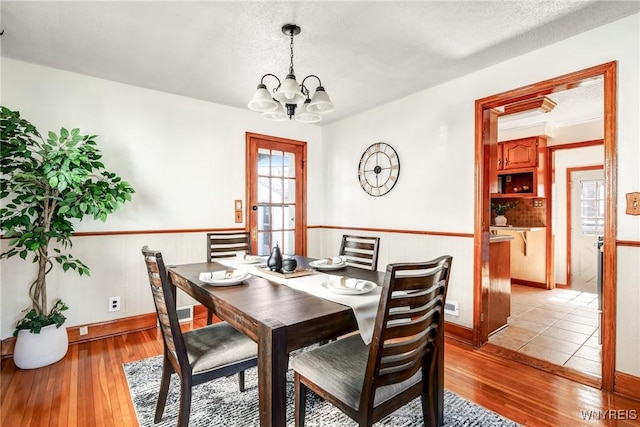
x: 379, y: 169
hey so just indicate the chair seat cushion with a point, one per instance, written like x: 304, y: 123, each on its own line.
x: 216, y: 346
x: 339, y: 369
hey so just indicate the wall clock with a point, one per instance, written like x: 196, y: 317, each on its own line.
x: 379, y: 169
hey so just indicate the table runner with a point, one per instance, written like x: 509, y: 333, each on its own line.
x: 365, y: 306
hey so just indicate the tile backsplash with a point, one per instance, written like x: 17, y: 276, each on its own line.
x: 524, y: 214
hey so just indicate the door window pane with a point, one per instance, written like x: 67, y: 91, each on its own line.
x: 289, y: 191
x: 289, y: 247
x: 290, y: 219
x: 592, y: 207
x: 289, y: 165
x: 264, y: 190
x: 276, y: 163
x: 276, y: 190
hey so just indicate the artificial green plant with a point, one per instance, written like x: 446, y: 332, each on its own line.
x: 45, y: 187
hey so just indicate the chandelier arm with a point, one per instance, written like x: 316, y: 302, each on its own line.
x: 305, y: 90
x: 275, y: 77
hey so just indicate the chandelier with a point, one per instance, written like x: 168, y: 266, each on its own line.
x: 290, y: 99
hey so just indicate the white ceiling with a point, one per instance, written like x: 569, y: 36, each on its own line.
x: 366, y: 53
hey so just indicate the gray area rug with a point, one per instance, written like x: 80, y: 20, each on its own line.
x: 220, y: 403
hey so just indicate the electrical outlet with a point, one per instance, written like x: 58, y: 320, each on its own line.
x: 114, y: 303
x: 84, y: 330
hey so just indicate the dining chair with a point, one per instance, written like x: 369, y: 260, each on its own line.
x: 199, y: 355
x: 226, y: 245
x: 368, y: 382
x: 360, y: 251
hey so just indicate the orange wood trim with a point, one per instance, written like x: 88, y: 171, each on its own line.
x: 483, y: 136
x: 393, y: 230
x: 167, y: 231
x: 96, y: 331
x: 573, y: 145
x: 550, y: 265
x: 457, y: 332
x: 569, y: 206
x: 529, y: 283
x: 609, y: 291
x: 632, y: 243
x: 627, y: 385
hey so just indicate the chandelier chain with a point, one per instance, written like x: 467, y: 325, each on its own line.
x: 291, y: 47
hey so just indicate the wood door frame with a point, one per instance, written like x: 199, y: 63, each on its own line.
x: 568, y: 212
x: 485, y: 178
x: 301, y: 184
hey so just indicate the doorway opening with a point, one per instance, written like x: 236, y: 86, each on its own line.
x: 487, y: 113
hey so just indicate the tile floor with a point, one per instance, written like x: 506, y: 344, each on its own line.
x: 560, y: 326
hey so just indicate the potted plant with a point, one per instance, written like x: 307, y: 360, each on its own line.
x: 500, y: 209
x: 48, y: 185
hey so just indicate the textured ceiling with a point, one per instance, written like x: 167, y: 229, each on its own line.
x: 366, y: 53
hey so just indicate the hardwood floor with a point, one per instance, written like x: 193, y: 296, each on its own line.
x: 88, y: 388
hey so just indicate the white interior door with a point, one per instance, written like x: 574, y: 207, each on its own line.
x: 587, y: 223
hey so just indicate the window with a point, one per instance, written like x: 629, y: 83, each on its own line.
x: 592, y: 208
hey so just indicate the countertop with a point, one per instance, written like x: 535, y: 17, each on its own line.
x: 495, y: 238
x: 514, y: 228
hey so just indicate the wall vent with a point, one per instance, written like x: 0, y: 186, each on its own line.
x: 451, y: 307
x: 185, y: 314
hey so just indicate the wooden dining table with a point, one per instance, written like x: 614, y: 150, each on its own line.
x: 280, y: 320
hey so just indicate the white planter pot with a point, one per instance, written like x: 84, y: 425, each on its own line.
x: 38, y: 350
x: 501, y: 220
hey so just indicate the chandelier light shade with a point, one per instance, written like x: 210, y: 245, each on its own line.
x: 262, y: 100
x: 290, y: 99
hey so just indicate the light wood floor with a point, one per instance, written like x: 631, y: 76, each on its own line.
x: 88, y: 388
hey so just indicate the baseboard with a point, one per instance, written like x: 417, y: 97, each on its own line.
x: 627, y: 385
x: 148, y: 321
x: 528, y: 283
x: 458, y: 333
x: 96, y: 331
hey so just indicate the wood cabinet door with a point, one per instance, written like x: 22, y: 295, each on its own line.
x: 520, y: 153
x: 500, y: 157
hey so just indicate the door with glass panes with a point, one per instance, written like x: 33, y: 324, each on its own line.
x: 276, y: 194
x: 587, y: 223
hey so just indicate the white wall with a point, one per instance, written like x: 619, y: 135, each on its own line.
x: 564, y: 159
x: 433, y: 133
x: 185, y: 159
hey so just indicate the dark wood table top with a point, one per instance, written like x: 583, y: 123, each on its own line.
x: 259, y: 299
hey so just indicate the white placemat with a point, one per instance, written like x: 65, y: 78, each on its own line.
x: 365, y: 307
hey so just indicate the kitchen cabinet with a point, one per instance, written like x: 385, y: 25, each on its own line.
x: 521, y: 167
x: 527, y: 255
x: 518, y: 153
x: 499, y: 299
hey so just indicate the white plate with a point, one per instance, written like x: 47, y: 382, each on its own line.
x: 322, y: 264
x: 250, y: 259
x: 336, y: 288
x: 217, y: 278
